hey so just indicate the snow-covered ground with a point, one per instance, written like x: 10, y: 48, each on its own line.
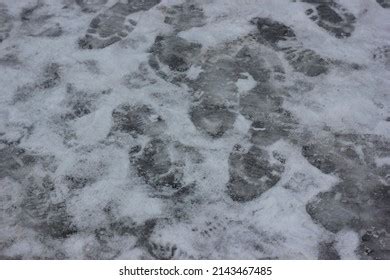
x: 195, y: 129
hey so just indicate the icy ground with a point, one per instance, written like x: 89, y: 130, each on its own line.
x: 208, y: 129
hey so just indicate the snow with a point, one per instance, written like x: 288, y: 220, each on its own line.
x: 213, y: 226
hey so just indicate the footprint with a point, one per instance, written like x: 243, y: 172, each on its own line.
x: 37, y: 21
x: 6, y: 24
x: 324, y: 161
x: 332, y: 17
x: 160, y: 166
x: 360, y: 200
x: 137, y: 120
x: 16, y: 162
x: 41, y: 213
x: 282, y: 38
x: 184, y: 16
x: 171, y: 57
x: 214, y: 120
x: 112, y: 25
x: 139, y: 78
x: 384, y: 3
x: 79, y: 103
x: 306, y: 61
x: 363, y: 209
x: 251, y: 173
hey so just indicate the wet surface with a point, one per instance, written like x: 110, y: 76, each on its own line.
x: 194, y: 130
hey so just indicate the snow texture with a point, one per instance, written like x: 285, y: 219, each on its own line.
x: 194, y: 129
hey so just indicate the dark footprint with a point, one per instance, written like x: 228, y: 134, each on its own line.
x: 326, y: 162
x: 251, y: 173
x: 112, y: 26
x: 5, y: 22
x: 175, y: 54
x: 306, y: 61
x: 91, y: 6
x: 282, y: 38
x: 159, y: 167
x: 273, y: 31
x: 384, y: 3
x: 185, y: 16
x: 137, y: 120
x: 332, y: 17
x: 332, y: 214
x: 215, y: 106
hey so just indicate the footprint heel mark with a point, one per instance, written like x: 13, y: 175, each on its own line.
x: 112, y: 25
x: 332, y: 17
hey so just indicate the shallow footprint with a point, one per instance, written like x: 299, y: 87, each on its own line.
x: 111, y: 26
x: 37, y: 21
x: 332, y: 17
